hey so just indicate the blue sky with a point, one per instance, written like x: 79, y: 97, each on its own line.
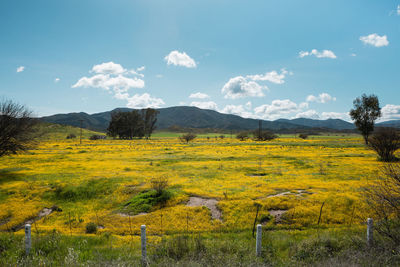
x: 260, y: 59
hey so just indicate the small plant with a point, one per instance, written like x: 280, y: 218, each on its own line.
x: 159, y: 184
x: 91, y: 228
x: 187, y: 137
x: 264, y: 136
x: 71, y: 136
x: 222, y: 136
x: 96, y: 137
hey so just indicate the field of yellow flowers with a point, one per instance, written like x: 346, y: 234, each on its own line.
x: 289, y: 177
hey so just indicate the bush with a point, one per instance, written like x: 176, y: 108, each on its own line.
x: 303, y: 136
x: 97, y: 137
x: 91, y: 228
x: 385, y: 142
x: 264, y: 136
x: 242, y: 136
x: 187, y: 137
x: 87, y: 190
x: 159, y: 184
x: 146, y: 200
x: 71, y: 136
x: 383, y: 198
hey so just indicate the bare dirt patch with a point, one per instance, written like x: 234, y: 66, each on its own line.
x: 43, y: 213
x: 210, y: 203
x: 277, y: 214
x: 132, y: 216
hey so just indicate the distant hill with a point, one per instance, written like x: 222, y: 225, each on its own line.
x: 394, y: 123
x: 193, y: 117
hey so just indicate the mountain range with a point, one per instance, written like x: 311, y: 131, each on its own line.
x: 185, y: 117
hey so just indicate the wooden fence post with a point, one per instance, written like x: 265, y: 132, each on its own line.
x: 28, y: 239
x: 258, y: 240
x: 370, y: 229
x: 143, y: 239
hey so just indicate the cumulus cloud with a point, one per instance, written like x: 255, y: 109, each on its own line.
x: 309, y: 114
x: 142, y: 68
x: 205, y: 105
x: 272, y: 76
x: 390, y: 112
x: 20, y: 68
x: 177, y: 58
x: 117, y: 80
x: 144, y: 101
x: 375, y: 40
x: 240, y: 110
x: 318, y: 54
x: 322, y: 98
x: 277, y: 109
x: 56, y: 80
x: 199, y: 95
x: 335, y: 115
x: 239, y: 87
x: 398, y: 10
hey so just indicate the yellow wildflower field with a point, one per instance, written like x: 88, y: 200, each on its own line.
x: 288, y: 176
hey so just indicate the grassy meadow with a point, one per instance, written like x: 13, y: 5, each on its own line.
x: 108, y: 182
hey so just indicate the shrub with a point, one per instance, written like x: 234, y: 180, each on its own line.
x: 187, y: 137
x: 146, y: 200
x: 87, y: 190
x: 159, y: 184
x: 242, y: 136
x: 383, y: 198
x: 91, y: 228
x: 303, y: 136
x: 222, y: 136
x: 96, y: 137
x: 385, y: 142
x: 264, y: 136
x: 71, y: 136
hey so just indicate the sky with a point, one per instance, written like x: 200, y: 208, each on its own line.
x: 264, y: 59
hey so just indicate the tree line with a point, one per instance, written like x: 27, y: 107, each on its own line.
x: 131, y: 124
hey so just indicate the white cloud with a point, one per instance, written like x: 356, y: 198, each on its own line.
x: 390, y: 112
x: 272, y: 76
x: 205, y: 105
x: 318, y: 54
x: 144, y: 101
x: 303, y: 105
x: 239, y: 87
x: 199, y: 95
x: 375, y: 40
x: 159, y: 76
x: 277, y: 109
x: 353, y: 54
x: 309, y: 114
x: 398, y: 10
x: 56, y: 80
x: 322, y: 98
x: 180, y: 59
x: 335, y: 115
x: 239, y: 110
x: 20, y: 68
x: 108, y: 68
x: 119, y: 83
x: 142, y: 68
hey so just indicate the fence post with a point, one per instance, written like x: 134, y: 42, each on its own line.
x: 258, y: 240
x: 143, y: 237
x: 28, y: 240
x: 370, y: 229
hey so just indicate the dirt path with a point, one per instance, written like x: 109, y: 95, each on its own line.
x: 210, y: 203
x: 43, y: 213
x: 277, y: 214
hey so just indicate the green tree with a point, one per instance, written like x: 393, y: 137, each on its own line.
x: 149, y: 120
x: 126, y: 125
x: 365, y: 112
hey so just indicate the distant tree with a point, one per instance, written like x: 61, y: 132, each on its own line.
x: 303, y: 136
x: 242, y: 136
x: 71, y: 136
x: 149, y: 120
x: 16, y: 128
x: 385, y: 142
x: 187, y: 137
x: 264, y: 135
x: 126, y: 125
x: 364, y: 114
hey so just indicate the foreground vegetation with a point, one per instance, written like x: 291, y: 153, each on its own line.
x: 310, y: 192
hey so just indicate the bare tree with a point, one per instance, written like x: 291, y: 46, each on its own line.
x: 187, y: 137
x: 385, y: 142
x: 383, y: 198
x: 16, y: 128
